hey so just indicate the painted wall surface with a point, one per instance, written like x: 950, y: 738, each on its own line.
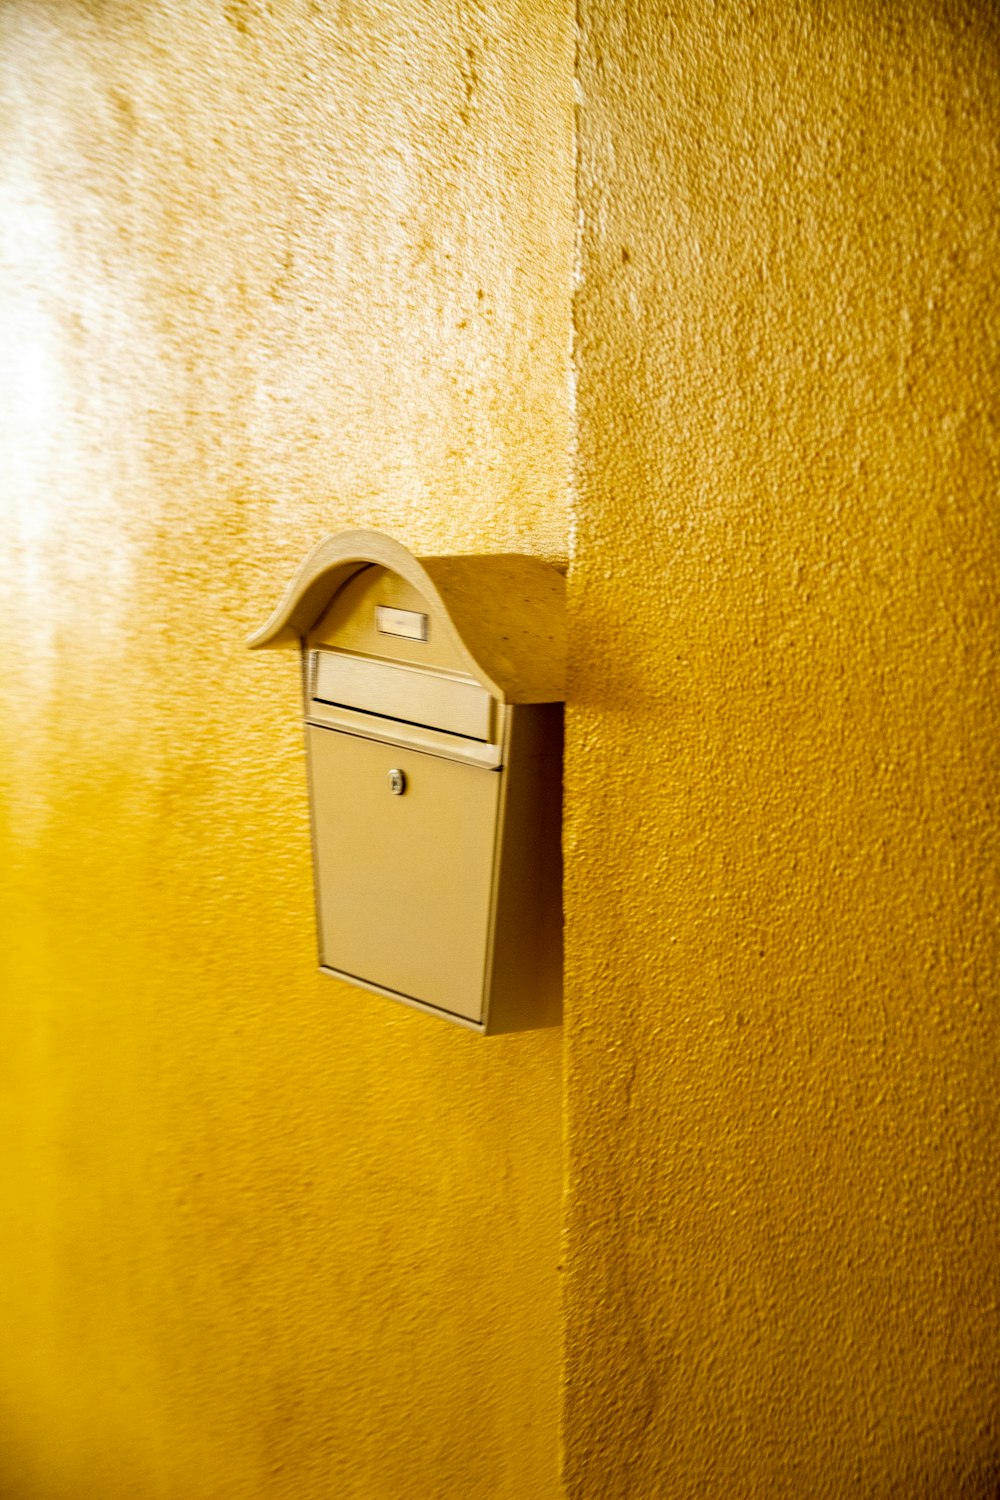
x: 269, y: 271
x: 274, y: 270
x: 783, y: 1256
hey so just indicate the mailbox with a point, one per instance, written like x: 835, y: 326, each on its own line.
x: 433, y: 695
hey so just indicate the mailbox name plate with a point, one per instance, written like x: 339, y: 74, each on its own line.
x: 409, y: 623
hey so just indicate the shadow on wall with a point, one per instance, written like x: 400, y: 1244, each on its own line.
x: 963, y: 1481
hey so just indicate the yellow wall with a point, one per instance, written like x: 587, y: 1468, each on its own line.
x: 783, y: 1256
x: 269, y: 271
x: 275, y: 270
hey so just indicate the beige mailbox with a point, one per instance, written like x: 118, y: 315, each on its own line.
x: 433, y: 706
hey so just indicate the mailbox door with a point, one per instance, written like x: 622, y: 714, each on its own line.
x: 404, y: 881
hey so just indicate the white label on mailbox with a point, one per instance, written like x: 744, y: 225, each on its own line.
x: 405, y: 622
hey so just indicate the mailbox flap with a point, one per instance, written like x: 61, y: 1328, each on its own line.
x: 409, y: 694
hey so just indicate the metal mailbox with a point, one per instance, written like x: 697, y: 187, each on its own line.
x: 433, y: 717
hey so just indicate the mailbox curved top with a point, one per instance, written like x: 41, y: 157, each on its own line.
x: 504, y: 612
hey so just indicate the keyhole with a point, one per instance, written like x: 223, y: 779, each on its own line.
x: 397, y: 782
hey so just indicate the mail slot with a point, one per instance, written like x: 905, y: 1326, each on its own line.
x: 433, y: 722
x: 404, y: 693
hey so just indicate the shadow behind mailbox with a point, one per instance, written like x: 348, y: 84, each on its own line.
x: 433, y: 708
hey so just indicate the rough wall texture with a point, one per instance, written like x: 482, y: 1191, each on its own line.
x: 269, y: 271
x: 782, y: 761
x: 273, y: 270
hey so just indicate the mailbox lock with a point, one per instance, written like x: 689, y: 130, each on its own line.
x: 397, y: 782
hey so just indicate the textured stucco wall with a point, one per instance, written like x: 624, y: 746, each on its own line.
x: 268, y: 271
x: 273, y: 270
x: 783, y: 1256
